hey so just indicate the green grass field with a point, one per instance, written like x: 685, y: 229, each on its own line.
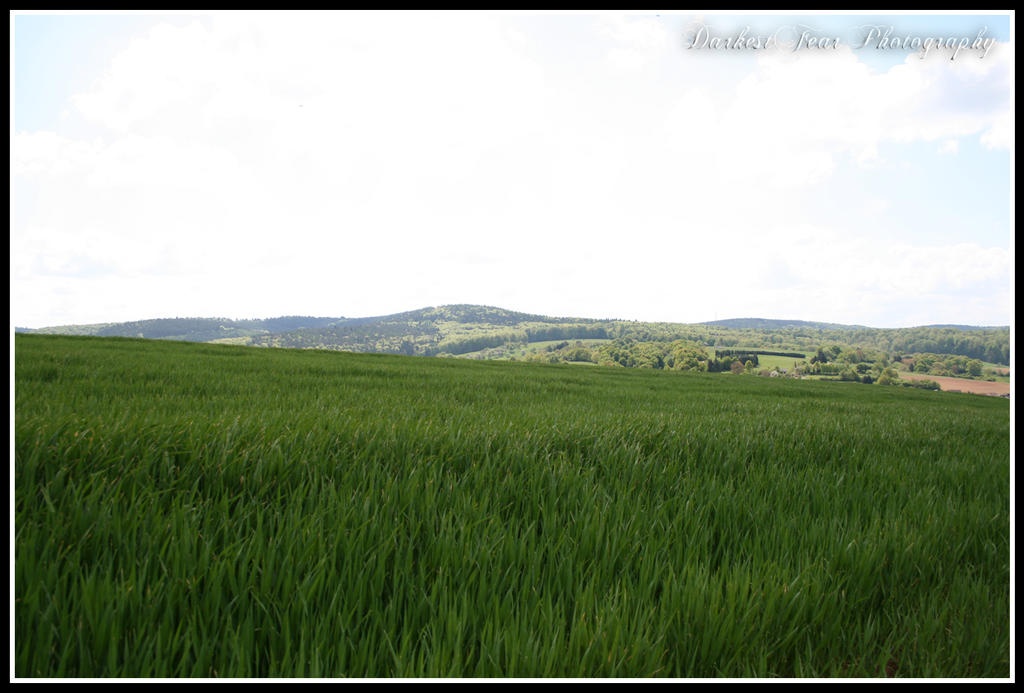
x: 779, y: 362
x: 192, y: 510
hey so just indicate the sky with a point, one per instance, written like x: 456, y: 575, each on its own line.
x: 849, y: 169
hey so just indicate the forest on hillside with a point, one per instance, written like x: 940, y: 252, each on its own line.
x: 468, y: 329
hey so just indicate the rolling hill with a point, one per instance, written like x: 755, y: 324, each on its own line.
x: 488, y: 331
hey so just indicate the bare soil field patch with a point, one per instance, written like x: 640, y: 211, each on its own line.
x: 977, y: 387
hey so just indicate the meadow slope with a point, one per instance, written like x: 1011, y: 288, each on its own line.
x: 196, y: 510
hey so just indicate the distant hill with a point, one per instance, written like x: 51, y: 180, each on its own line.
x: 967, y: 327
x: 766, y: 324
x: 491, y: 332
x: 452, y: 329
x: 190, y: 329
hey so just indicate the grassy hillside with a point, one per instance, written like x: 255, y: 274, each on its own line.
x: 187, y: 509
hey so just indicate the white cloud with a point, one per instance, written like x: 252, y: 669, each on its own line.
x: 791, y: 121
x: 350, y: 163
x: 1001, y: 134
x: 634, y: 43
x: 849, y: 279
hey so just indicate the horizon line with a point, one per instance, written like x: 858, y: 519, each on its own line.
x: 15, y: 328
